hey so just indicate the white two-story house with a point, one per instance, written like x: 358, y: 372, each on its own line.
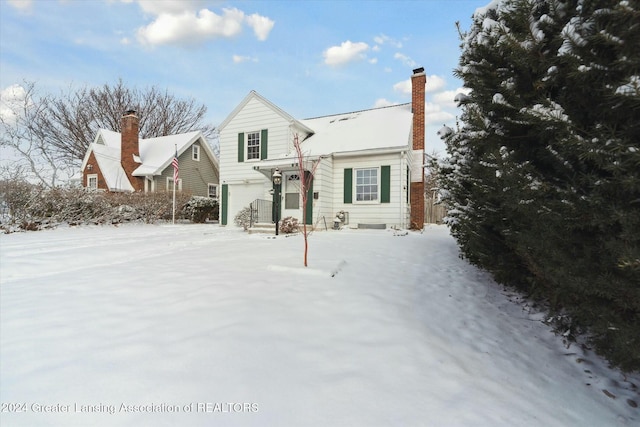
x: 370, y: 162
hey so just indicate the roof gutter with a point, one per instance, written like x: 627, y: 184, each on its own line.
x: 372, y: 151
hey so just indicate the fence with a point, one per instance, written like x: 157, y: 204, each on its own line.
x: 261, y: 211
x: 433, y: 213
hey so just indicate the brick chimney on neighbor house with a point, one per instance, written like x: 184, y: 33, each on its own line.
x: 418, y: 83
x: 129, y: 148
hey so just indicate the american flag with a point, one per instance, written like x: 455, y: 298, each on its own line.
x: 176, y: 168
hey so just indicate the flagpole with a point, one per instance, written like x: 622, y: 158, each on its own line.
x: 175, y: 184
x: 174, y: 203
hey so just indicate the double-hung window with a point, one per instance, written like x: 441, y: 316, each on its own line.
x: 213, y: 191
x: 253, y: 146
x: 169, y: 185
x: 195, y: 152
x: 366, y: 185
x: 92, y: 182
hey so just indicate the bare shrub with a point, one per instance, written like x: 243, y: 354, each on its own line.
x: 289, y: 225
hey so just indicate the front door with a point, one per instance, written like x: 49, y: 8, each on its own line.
x: 291, y: 196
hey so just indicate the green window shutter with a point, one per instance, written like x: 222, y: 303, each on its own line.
x: 263, y: 143
x: 348, y: 185
x: 240, y: 147
x: 225, y: 203
x: 309, y: 209
x: 385, y: 183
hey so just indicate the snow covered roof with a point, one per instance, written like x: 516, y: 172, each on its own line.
x: 379, y: 128
x: 108, y: 159
x: 156, y: 155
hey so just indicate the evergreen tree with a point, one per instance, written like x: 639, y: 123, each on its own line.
x: 543, y: 178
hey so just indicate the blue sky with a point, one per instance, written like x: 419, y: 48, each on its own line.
x: 311, y: 58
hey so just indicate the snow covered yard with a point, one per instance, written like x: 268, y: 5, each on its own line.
x: 200, y: 325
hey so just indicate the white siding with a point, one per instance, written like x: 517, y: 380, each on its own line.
x: 323, y: 211
x: 246, y: 184
x: 394, y: 213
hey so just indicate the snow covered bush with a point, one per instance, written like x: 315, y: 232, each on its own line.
x: 542, y: 181
x: 32, y: 207
x: 289, y: 225
x: 16, y: 198
x: 199, y: 209
x: 243, y: 218
x: 158, y: 206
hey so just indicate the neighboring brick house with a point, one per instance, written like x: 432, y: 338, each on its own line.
x: 124, y: 162
x: 371, y: 161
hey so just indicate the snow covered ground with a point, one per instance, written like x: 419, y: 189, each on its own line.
x: 200, y: 325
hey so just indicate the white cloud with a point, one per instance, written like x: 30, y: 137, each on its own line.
x: 435, y: 83
x: 373, y: 61
x: 189, y: 27
x: 12, y: 100
x: 239, y: 58
x: 180, y: 22
x: 172, y: 7
x: 433, y: 114
x: 22, y: 5
x: 405, y: 59
x: 261, y: 25
x: 346, y: 52
x: 382, y: 102
x: 403, y: 87
x: 447, y: 97
x: 385, y: 39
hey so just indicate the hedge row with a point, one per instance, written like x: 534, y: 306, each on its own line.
x: 24, y: 206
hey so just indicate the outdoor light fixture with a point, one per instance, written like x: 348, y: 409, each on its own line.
x: 277, y: 177
x: 277, y: 182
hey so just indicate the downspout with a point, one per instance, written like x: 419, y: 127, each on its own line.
x: 401, y: 194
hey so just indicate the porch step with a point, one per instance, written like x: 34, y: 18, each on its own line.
x: 263, y: 228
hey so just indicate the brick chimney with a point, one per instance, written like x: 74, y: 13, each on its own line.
x: 129, y: 148
x: 418, y: 83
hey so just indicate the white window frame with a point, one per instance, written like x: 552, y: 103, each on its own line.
x: 169, y: 184
x: 90, y: 177
x: 362, y: 185
x: 195, y: 153
x: 258, y: 137
x: 215, y: 187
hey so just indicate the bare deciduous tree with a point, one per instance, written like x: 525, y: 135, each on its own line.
x: 25, y: 149
x: 77, y: 115
x: 50, y: 134
x: 306, y: 178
